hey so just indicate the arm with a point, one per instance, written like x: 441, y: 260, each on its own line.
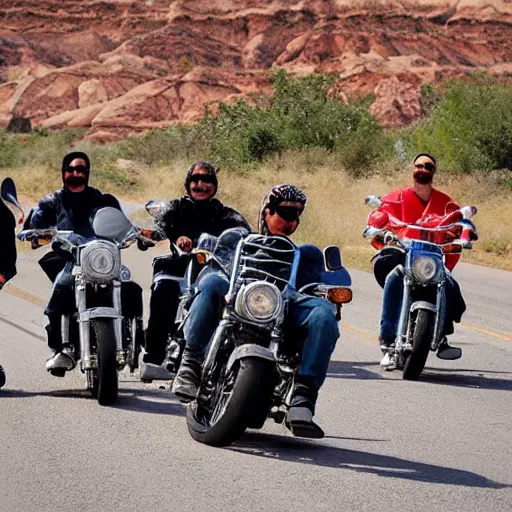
x: 8, y: 241
x: 169, y: 220
x: 45, y: 213
x: 233, y: 219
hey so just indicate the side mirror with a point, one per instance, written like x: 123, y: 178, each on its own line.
x: 156, y: 208
x: 373, y: 200
x: 10, y: 199
x: 332, y: 258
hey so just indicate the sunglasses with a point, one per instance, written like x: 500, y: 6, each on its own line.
x: 78, y: 168
x: 205, y: 178
x: 289, y: 213
x: 427, y: 166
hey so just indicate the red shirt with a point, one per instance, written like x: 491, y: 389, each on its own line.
x: 405, y: 205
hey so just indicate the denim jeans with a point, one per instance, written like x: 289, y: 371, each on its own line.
x: 310, y: 321
x: 392, y: 304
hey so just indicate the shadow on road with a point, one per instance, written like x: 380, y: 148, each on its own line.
x: 454, y: 378
x: 353, y: 370
x: 144, y: 400
x: 317, y: 454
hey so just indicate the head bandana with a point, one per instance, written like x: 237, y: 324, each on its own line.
x: 206, y: 166
x: 277, y: 195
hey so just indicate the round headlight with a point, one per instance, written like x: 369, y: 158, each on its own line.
x: 424, y: 268
x: 259, y: 302
x: 100, y: 261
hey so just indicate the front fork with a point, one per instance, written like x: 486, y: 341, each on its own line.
x: 404, y: 329
x: 88, y: 359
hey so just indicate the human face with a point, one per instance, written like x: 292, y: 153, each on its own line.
x: 278, y: 225
x: 201, y: 190
x: 424, y: 169
x: 75, y: 175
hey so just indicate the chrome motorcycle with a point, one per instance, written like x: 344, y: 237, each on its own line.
x: 424, y: 303
x: 250, y: 365
x: 97, y: 335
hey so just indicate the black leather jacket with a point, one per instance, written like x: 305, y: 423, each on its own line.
x: 7, y: 242
x: 71, y: 211
x: 186, y: 217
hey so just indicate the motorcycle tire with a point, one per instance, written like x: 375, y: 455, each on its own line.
x: 107, y: 361
x: 245, y: 397
x: 421, y: 341
x: 3, y: 378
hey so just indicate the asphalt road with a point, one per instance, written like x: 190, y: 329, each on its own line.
x: 442, y: 443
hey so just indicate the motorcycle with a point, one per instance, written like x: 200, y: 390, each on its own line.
x: 424, y: 247
x: 9, y: 197
x: 98, y: 334
x: 250, y: 364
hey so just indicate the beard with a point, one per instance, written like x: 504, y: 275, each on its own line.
x: 423, y: 177
x: 76, y: 181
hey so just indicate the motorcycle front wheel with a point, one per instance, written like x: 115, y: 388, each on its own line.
x: 107, y: 388
x: 421, y: 341
x: 236, y: 401
x: 3, y: 379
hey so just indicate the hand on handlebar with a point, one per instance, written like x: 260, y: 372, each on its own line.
x: 184, y: 243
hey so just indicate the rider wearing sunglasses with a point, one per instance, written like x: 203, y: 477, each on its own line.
x: 310, y: 320
x: 183, y: 221
x: 70, y: 208
x: 410, y: 205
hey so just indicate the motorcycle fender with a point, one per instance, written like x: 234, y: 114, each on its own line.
x: 424, y: 305
x: 250, y: 350
x: 102, y: 312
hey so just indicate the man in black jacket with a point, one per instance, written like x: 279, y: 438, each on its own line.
x: 7, y: 254
x: 183, y: 222
x: 8, y: 240
x: 70, y: 208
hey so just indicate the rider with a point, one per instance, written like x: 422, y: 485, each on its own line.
x: 411, y: 205
x: 309, y: 319
x: 70, y: 208
x: 7, y: 254
x: 183, y: 221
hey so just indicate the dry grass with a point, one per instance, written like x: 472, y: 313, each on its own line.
x: 336, y: 213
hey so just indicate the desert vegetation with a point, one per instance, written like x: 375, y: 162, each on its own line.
x: 338, y: 152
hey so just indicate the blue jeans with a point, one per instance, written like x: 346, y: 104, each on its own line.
x: 310, y: 321
x: 392, y: 304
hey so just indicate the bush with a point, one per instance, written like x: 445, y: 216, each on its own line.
x: 470, y: 128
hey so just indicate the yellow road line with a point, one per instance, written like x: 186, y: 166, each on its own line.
x: 22, y: 294
x: 503, y: 336
x: 35, y: 299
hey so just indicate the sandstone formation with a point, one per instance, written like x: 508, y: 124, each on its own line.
x: 119, y: 67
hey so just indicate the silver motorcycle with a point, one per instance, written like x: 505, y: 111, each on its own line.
x: 97, y: 335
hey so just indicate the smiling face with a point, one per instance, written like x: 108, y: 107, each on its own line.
x: 202, y: 185
x: 284, y: 220
x: 75, y: 175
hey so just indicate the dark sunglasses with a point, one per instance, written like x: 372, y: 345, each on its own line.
x: 205, y: 178
x: 289, y: 212
x: 427, y: 166
x: 78, y: 168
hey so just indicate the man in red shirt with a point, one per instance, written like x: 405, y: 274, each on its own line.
x: 413, y: 205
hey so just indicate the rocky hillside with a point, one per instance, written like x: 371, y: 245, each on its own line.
x: 123, y: 66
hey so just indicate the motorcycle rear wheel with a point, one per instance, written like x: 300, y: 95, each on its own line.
x: 107, y: 361
x: 421, y: 341
x: 3, y: 378
x: 237, y: 410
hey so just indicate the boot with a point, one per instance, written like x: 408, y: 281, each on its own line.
x: 62, y: 358
x: 187, y: 380
x: 448, y: 352
x: 299, y: 419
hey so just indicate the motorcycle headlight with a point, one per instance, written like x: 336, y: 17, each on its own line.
x: 425, y: 268
x: 259, y: 302
x: 100, y: 261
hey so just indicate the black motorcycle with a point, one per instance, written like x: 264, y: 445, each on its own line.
x: 250, y: 365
